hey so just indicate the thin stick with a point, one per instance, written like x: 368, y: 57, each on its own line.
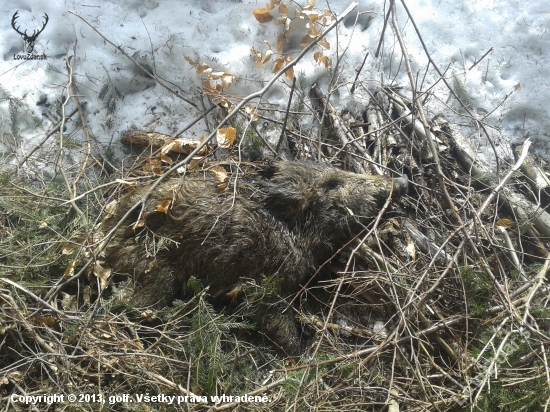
x: 286, y: 115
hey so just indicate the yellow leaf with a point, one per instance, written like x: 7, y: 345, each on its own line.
x: 327, y: 12
x: 203, y: 68
x: 226, y: 136
x: 227, y: 80
x: 251, y: 113
x: 283, y: 9
x: 280, y: 20
x: 279, y: 63
x: 165, y: 159
x: 305, y: 41
x: 215, y: 75
x: 70, y: 269
x: 190, y: 61
x: 289, y: 74
x: 269, y: 5
x: 68, y: 302
x: 163, y: 206
x: 215, y: 88
x: 139, y: 224
x: 323, y: 42
x: 298, y: 14
x: 262, y: 15
x: 267, y: 56
x: 313, y: 32
x: 103, y: 271
x: 506, y: 223
x: 220, y: 174
x: 68, y: 249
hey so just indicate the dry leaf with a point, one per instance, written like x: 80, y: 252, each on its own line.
x: 262, y: 15
x: 204, y: 68
x: 313, y: 32
x: 70, y: 269
x: 507, y: 223
x: 215, y: 88
x: 280, y: 20
x: 305, y: 41
x: 289, y: 74
x: 252, y: 113
x: 68, y: 249
x: 267, y: 56
x: 139, y: 224
x: 68, y: 302
x: 283, y: 9
x: 190, y: 61
x: 279, y: 63
x: 163, y: 206
x: 103, y: 272
x: 411, y: 250
x: 323, y: 42
x: 219, y: 173
x: 227, y: 80
x: 215, y: 75
x: 165, y: 159
x: 226, y: 136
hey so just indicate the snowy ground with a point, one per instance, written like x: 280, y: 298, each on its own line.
x: 220, y: 33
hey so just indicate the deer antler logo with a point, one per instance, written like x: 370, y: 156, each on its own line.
x: 29, y: 40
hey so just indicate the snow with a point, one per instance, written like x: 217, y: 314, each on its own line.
x: 220, y: 33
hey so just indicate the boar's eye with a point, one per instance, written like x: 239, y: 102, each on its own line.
x: 332, y: 184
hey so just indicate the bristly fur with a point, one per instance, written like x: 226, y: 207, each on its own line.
x: 285, y: 221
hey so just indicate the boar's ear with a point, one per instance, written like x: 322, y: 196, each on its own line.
x: 289, y: 201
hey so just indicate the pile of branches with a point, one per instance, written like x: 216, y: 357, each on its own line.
x: 444, y: 306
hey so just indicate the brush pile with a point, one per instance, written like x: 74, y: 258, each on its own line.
x: 438, y: 302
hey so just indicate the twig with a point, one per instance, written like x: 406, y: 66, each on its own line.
x: 286, y: 115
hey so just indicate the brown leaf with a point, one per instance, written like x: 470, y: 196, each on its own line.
x: 279, y: 63
x: 323, y: 42
x: 163, y: 206
x: 289, y: 74
x: 215, y: 88
x: 103, y: 272
x: 507, y: 223
x: 70, y: 269
x: 68, y: 302
x: 226, y: 136
x: 252, y: 113
x: 220, y: 174
x: 262, y: 15
x: 266, y: 58
x: 165, y: 159
x: 204, y: 68
x: 190, y: 61
x: 139, y: 224
x: 227, y: 80
x: 305, y: 41
x: 283, y: 9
